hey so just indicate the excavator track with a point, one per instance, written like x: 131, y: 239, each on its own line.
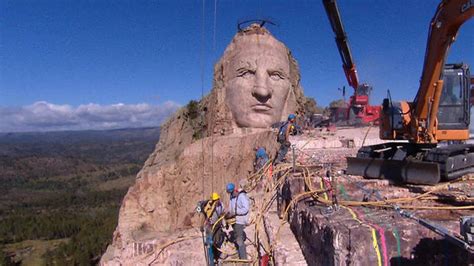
x: 454, y: 160
x: 414, y: 164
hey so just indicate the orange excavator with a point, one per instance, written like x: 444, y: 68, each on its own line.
x: 359, y: 110
x: 429, y: 131
x: 472, y: 90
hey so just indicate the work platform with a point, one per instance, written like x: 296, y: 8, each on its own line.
x: 338, y: 220
x: 352, y: 220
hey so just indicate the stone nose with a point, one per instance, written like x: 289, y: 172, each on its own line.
x: 261, y: 91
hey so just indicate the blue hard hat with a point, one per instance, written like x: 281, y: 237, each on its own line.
x: 260, y: 152
x: 291, y: 116
x: 230, y: 187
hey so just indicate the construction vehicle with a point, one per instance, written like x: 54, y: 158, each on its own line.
x: 439, y: 113
x: 358, y: 110
x: 472, y: 90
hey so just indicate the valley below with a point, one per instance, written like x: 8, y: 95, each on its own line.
x: 61, y: 192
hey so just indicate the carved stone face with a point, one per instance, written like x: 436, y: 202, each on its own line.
x: 257, y: 81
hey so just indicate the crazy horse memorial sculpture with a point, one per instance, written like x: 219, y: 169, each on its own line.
x: 208, y: 143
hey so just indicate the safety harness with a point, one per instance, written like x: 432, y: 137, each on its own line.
x: 209, y: 208
x: 232, y: 220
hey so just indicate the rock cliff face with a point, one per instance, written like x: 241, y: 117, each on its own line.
x: 207, y: 144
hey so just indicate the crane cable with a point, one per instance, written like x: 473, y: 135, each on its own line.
x: 212, y: 131
x: 201, y: 59
x: 215, y: 26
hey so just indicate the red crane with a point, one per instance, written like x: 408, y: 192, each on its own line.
x: 359, y: 102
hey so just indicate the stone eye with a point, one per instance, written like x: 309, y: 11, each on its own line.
x: 245, y: 73
x: 275, y: 75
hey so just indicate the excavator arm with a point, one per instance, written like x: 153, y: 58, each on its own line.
x: 440, y: 112
x: 449, y: 17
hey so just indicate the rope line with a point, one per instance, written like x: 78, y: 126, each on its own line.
x: 215, y: 26
x: 202, y: 93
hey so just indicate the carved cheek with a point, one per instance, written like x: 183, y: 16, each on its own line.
x: 280, y: 89
x: 237, y: 90
x: 241, y: 86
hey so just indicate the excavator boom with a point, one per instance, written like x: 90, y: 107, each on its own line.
x: 444, y: 27
x: 440, y: 112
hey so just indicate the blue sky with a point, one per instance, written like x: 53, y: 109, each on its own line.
x: 77, y: 53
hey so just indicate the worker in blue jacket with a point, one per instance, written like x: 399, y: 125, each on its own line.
x: 239, y: 207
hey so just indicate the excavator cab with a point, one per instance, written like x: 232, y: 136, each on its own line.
x: 453, y: 110
x: 454, y: 107
x: 425, y: 163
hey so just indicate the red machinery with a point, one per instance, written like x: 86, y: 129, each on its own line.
x: 359, y: 110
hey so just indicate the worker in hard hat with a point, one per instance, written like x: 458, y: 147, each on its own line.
x: 283, y: 137
x: 239, y: 208
x: 211, y: 224
x: 261, y: 158
x: 213, y: 209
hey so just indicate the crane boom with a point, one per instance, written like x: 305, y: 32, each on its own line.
x: 342, y: 43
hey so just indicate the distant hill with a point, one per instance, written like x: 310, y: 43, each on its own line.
x: 80, y: 135
x: 66, y: 186
x: 31, y: 154
x: 33, y: 143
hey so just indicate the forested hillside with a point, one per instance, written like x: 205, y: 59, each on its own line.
x: 61, y: 192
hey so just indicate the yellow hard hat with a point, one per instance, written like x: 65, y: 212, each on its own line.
x: 215, y: 196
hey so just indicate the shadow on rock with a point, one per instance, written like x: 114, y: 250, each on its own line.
x: 431, y: 251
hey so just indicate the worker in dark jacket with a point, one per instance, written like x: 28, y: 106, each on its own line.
x: 261, y: 158
x: 283, y: 138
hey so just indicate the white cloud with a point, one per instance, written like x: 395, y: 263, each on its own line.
x: 44, y: 116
